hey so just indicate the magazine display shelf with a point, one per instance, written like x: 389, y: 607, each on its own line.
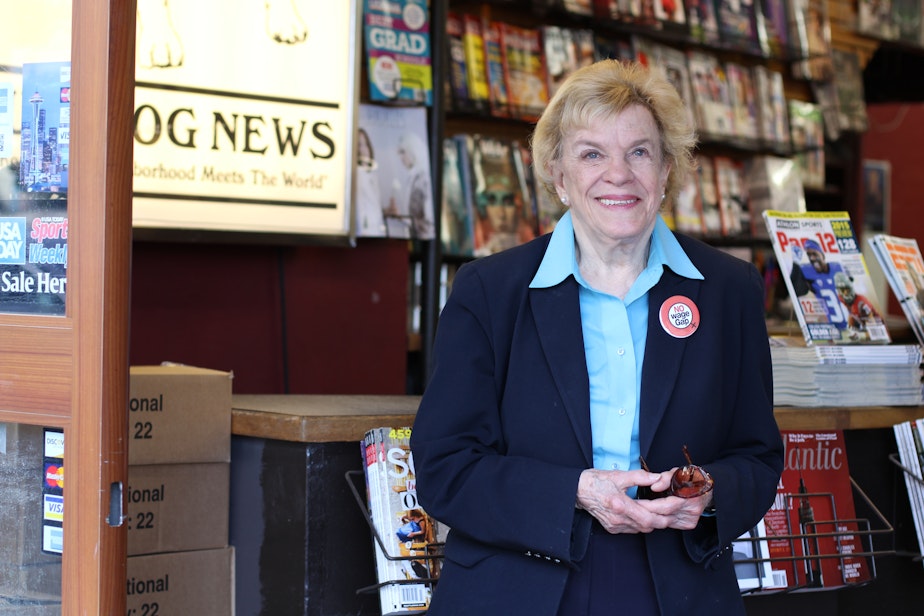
x: 354, y: 477
x: 862, y: 528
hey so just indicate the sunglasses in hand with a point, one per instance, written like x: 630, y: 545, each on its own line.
x: 688, y: 481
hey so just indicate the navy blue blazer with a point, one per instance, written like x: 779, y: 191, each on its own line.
x: 503, y: 432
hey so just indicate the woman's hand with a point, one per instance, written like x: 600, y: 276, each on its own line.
x: 603, y: 495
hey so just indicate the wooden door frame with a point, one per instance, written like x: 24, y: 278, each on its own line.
x: 72, y: 371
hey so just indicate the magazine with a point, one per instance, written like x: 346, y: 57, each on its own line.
x: 397, y: 37
x: 772, y: 108
x: 456, y: 231
x: 773, y: 183
x: 525, y: 71
x: 808, y: 141
x: 826, y: 275
x: 713, y: 106
x: 674, y: 64
x: 733, y: 205
x: 900, y: 259
x: 738, y: 24
x: 812, y: 526
x: 709, y: 196
x: 393, y: 196
x: 751, y: 553
x: 908, y: 438
x: 500, y: 197
x: 411, y: 537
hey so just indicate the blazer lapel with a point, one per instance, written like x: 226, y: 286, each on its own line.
x: 558, y: 320
x: 663, y: 355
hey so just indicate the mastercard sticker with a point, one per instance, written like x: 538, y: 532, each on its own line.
x: 679, y: 316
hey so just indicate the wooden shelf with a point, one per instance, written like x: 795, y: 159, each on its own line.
x: 323, y: 419
x: 853, y: 418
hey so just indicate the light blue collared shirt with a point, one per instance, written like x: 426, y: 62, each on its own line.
x: 614, y: 338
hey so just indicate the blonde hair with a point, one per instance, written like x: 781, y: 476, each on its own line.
x: 603, y: 90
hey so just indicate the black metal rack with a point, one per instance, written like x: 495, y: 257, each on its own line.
x: 432, y: 551
x: 816, y: 530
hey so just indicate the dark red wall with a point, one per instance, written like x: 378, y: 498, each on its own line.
x: 896, y: 134
x: 300, y: 320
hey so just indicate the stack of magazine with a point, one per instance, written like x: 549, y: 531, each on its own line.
x: 845, y: 357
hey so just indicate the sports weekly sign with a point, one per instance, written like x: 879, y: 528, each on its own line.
x: 245, y: 115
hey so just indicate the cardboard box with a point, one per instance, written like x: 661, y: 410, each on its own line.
x: 179, y: 414
x: 199, y: 582
x: 177, y: 507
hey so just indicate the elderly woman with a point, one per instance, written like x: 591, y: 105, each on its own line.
x: 566, y: 367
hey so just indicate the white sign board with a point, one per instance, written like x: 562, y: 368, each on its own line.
x: 245, y: 115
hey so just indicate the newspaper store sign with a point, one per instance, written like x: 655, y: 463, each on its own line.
x: 245, y: 123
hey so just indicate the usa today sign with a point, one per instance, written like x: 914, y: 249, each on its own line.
x: 245, y: 123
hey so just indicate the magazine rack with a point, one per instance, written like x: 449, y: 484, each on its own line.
x: 826, y: 530
x: 434, y: 551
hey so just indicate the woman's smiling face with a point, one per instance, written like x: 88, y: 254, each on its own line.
x: 612, y: 175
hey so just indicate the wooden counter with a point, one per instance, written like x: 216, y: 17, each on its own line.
x: 327, y: 419
x: 317, y: 418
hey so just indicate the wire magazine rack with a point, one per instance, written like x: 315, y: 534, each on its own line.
x: 818, y: 533
x: 861, y: 528
x: 432, y: 552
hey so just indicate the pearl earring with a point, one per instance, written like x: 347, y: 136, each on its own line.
x: 564, y: 199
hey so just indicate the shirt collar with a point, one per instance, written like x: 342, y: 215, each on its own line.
x: 559, y: 261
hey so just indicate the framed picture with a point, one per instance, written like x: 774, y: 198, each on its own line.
x: 877, y: 181
x: 245, y: 114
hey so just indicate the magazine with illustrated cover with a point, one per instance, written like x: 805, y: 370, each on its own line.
x: 714, y: 113
x: 498, y: 196
x: 825, y: 273
x: 812, y: 526
x: 900, y: 259
x: 398, y: 71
